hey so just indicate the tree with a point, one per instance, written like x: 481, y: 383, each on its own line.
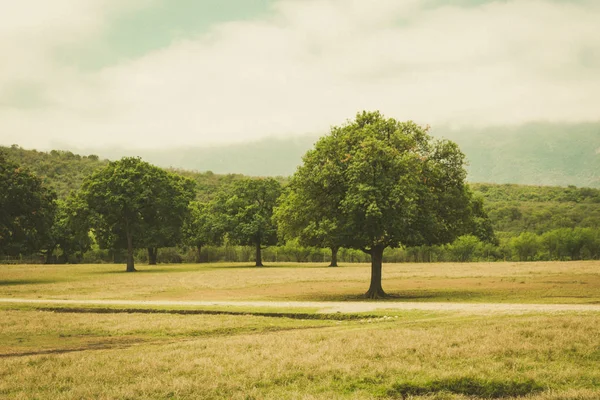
x: 392, y: 184
x: 311, y: 214
x: 166, y: 217
x: 130, y: 201
x: 464, y: 247
x: 26, y: 210
x: 527, y: 245
x: 202, y: 227
x: 247, y: 212
x: 70, y: 230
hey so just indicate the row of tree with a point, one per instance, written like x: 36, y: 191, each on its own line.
x: 371, y: 184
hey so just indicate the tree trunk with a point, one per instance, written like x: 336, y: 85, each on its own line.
x: 152, y: 255
x: 49, y: 254
x: 375, y: 290
x: 198, y: 253
x: 258, y: 255
x: 130, y: 266
x: 334, y: 253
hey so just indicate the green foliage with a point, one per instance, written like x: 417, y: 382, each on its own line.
x: 27, y: 210
x: 202, y: 227
x: 135, y: 204
x: 375, y: 183
x: 526, y: 245
x: 390, y: 181
x: 465, y: 247
x: 70, y: 230
x: 61, y: 171
x: 164, y: 217
x: 530, y: 193
x: 247, y: 211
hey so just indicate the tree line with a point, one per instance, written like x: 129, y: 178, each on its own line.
x: 374, y: 187
x: 371, y: 184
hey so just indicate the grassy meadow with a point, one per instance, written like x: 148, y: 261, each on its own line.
x: 45, y: 353
x: 511, y: 282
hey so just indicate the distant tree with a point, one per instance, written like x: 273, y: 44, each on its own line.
x: 310, y: 219
x: 247, y: 212
x: 130, y: 200
x: 481, y: 227
x: 26, y: 210
x: 393, y: 185
x: 166, y: 214
x: 526, y: 245
x: 202, y: 227
x: 70, y: 230
x: 465, y: 247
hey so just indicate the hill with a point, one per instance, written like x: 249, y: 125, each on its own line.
x: 512, y: 208
x: 518, y: 208
x: 532, y: 154
x: 64, y: 171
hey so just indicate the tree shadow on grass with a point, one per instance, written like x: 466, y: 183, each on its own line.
x: 441, y: 296
x: 467, y: 386
x: 17, y: 282
x: 198, y: 267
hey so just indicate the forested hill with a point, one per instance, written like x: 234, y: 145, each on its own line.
x: 512, y: 208
x: 531, y: 154
x: 539, y: 209
x: 64, y: 171
x: 529, y: 193
x: 59, y: 170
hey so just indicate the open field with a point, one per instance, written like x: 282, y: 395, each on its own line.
x: 542, y: 282
x: 160, y: 350
x: 436, y: 355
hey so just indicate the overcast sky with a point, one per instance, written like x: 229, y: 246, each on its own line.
x: 157, y: 73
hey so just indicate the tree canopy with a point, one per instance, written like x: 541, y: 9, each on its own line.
x: 202, y: 227
x: 27, y: 210
x: 247, y: 210
x: 135, y: 204
x: 391, y: 185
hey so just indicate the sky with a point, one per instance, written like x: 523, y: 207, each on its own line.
x: 167, y: 73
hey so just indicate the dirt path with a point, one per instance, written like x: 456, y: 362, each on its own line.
x: 333, y: 307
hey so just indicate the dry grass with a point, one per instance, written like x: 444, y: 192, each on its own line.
x: 543, y: 282
x: 421, y: 355
x: 243, y: 357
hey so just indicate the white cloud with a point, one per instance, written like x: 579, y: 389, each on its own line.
x: 312, y: 64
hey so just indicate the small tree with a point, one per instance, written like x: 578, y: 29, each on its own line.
x: 165, y: 217
x: 70, y: 230
x: 392, y: 185
x: 130, y: 200
x: 465, y: 247
x: 527, y: 245
x: 310, y: 218
x: 247, y: 212
x: 202, y: 227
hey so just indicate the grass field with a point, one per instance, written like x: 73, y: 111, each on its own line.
x: 402, y: 355
x: 543, y: 282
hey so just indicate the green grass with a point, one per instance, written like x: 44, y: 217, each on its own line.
x: 543, y: 282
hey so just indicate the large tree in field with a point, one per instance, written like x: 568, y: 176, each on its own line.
x: 382, y: 183
x: 26, y: 210
x: 247, y: 211
x: 131, y: 202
